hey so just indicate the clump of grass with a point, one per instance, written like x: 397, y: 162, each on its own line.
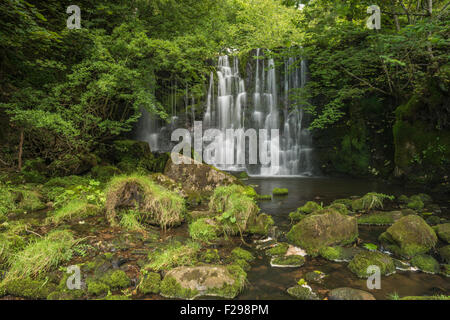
x: 280, y: 191
x: 74, y: 210
x: 204, y: 230
x: 173, y: 255
x: 236, y: 209
x: 130, y: 221
x: 155, y: 204
x: 372, y: 200
x: 42, y: 255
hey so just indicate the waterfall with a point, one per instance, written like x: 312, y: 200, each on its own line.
x: 271, y: 108
x: 267, y: 103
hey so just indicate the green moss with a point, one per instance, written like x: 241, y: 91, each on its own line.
x: 444, y: 252
x: 279, y: 250
x: 243, y: 264
x: 320, y: 230
x: 155, y: 204
x: 150, y: 283
x: 239, y: 253
x: 210, y: 256
x: 345, y: 202
x: 415, y: 203
x: 27, y: 287
x: 115, y: 297
x: 403, y: 199
x: 260, y: 225
x: 235, y: 209
x: 364, y: 259
x: 409, y: 236
x: 380, y: 218
x: 425, y: 263
x: 339, y: 207
x: 170, y: 288
x: 243, y: 175
x: 97, y: 288
x: 42, y: 256
x: 370, y: 201
x: 264, y: 197
x: 301, y: 293
x: 331, y: 253
x: 446, y: 270
x: 74, y: 210
x: 280, y: 191
x: 443, y: 232
x: 173, y: 255
x: 309, y: 207
x: 63, y: 292
x: 204, y: 230
x: 291, y: 260
x: 116, y: 279
x: 441, y: 297
x: 105, y: 173
x: 296, y: 216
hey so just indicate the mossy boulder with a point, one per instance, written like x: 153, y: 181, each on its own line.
x: 261, y: 224
x: 150, y: 283
x: 380, y: 218
x: 204, y: 229
x: 443, y: 232
x: 192, y: 282
x: 425, y: 263
x: 280, y: 191
x: 364, y: 259
x: 198, y: 177
x: 349, y: 294
x: 444, y: 252
x: 302, y: 293
x: 339, y: 207
x: 278, y: 250
x: 236, y: 211
x: 150, y: 202
x: 415, y: 203
x: 309, y: 207
x: 409, y: 236
x: 27, y: 287
x: 70, y: 164
x: 239, y: 253
x: 317, y: 231
x: 337, y: 253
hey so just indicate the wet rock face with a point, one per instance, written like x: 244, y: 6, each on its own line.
x: 198, y: 177
x: 350, y: 294
x: 190, y: 282
x: 317, y: 231
x: 409, y: 236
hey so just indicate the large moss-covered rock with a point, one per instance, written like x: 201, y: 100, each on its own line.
x: 426, y: 263
x: 363, y: 260
x: 380, y: 218
x: 198, y: 177
x: 349, y: 294
x: 443, y: 231
x: 444, y: 252
x: 409, y: 236
x: 192, y: 282
x: 317, y: 231
x: 302, y: 292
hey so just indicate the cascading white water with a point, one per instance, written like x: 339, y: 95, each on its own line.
x: 229, y: 110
